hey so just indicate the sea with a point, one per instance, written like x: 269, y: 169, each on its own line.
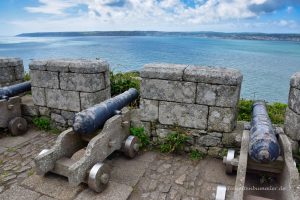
x: 266, y: 65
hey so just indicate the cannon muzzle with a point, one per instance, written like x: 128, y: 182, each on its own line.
x: 263, y: 146
x: 89, y: 120
x: 14, y: 90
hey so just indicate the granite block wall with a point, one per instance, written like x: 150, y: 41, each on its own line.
x: 60, y: 88
x: 201, y: 100
x: 11, y: 71
x: 292, y: 116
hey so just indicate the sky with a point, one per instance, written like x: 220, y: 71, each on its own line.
x: 268, y: 16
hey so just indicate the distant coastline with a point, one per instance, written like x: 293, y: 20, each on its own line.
x: 238, y: 36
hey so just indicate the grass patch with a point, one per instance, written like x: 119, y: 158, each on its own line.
x: 26, y: 76
x: 143, y: 137
x: 42, y: 123
x: 276, y: 111
x: 174, y: 142
x: 195, y: 154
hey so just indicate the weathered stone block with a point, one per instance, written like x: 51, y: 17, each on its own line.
x: 294, y: 100
x: 107, y: 79
x: 55, y: 65
x: 19, y: 70
x: 163, y: 71
x: 234, y: 138
x: 82, y: 82
x: 295, y: 80
x: 163, y: 133
x: 185, y: 115
x: 29, y: 110
x: 215, y: 134
x: 221, y: 119
x: 14, y: 62
x: 208, y: 141
x: 168, y: 90
x: 213, y: 75
x: 44, y: 111
x: 206, y: 94
x: 67, y: 114
x: 88, y: 67
x: 219, y: 95
x: 61, y: 99
x: 7, y: 74
x: 292, y: 124
x: 58, y: 118
x: 44, y: 79
x: 38, y: 96
x: 149, y: 110
x: 38, y: 65
x: 214, y: 152
x: 91, y: 99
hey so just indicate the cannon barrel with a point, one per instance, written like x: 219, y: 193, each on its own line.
x: 263, y: 145
x: 89, y: 120
x: 14, y: 90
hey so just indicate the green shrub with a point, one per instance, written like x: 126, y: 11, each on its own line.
x: 195, y: 154
x: 27, y: 76
x: 139, y: 132
x: 174, y: 142
x: 122, y: 81
x: 42, y: 123
x: 245, y: 110
x: 276, y: 111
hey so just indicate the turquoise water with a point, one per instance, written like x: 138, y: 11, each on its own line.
x: 266, y: 65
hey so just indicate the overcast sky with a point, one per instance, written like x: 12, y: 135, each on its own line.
x: 279, y: 16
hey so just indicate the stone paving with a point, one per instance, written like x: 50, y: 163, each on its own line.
x: 151, y: 175
x: 17, y: 153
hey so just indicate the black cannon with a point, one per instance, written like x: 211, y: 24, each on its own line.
x: 264, y: 150
x: 111, y: 132
x: 89, y: 120
x: 14, y: 90
x: 263, y: 145
x: 10, y: 108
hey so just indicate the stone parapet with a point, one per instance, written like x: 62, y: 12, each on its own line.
x: 292, y: 116
x: 60, y: 88
x: 11, y: 71
x: 190, y: 96
x: 199, y: 98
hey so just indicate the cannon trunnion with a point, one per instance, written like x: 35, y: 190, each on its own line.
x: 94, y: 147
x: 10, y: 108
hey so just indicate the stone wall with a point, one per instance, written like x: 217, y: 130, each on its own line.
x: 11, y: 71
x: 201, y: 100
x: 60, y: 88
x: 292, y: 116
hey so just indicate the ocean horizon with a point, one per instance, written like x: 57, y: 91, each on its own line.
x: 266, y: 65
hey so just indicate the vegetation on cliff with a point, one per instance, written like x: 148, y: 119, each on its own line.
x: 276, y: 111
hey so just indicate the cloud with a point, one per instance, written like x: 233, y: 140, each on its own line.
x: 55, y: 7
x: 150, y: 14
